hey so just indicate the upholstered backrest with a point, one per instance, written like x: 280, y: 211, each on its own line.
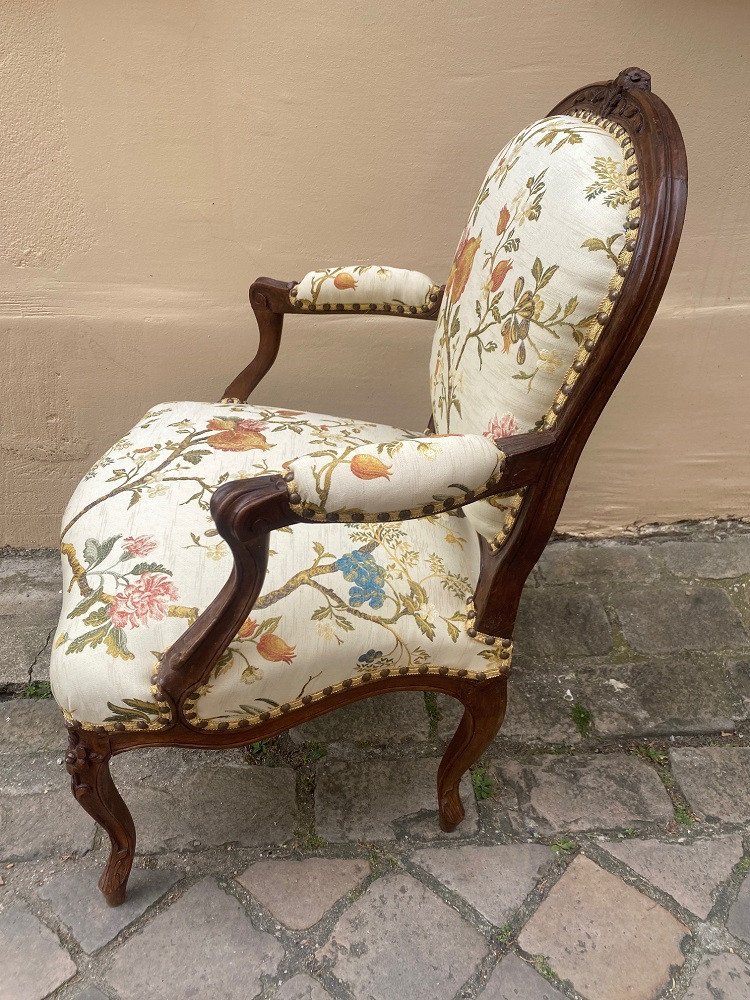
x: 532, y: 283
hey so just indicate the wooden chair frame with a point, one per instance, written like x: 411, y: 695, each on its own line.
x: 542, y: 463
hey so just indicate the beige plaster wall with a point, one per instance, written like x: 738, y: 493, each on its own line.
x: 157, y: 155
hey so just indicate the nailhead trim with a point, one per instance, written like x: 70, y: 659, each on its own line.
x: 511, y: 516
x: 160, y: 721
x: 623, y: 262
x: 369, y: 677
x: 399, y: 307
x: 314, y: 512
x: 505, y: 645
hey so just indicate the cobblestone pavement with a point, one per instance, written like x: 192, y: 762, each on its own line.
x: 605, y: 853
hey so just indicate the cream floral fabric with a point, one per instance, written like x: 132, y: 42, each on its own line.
x: 362, y: 285
x: 528, y: 283
x: 340, y: 604
x: 394, y: 480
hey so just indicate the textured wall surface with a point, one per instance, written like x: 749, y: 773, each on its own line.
x: 157, y: 157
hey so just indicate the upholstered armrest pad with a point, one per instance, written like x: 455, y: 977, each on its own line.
x: 395, y: 481
x: 365, y: 286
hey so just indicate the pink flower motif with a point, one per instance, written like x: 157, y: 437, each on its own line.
x: 251, y: 426
x: 138, y: 545
x: 501, y: 427
x: 145, y: 598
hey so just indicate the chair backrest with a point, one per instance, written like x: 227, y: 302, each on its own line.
x: 578, y: 209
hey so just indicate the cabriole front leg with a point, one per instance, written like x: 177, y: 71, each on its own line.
x: 484, y: 711
x: 87, y: 762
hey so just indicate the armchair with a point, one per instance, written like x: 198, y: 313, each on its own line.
x: 232, y: 569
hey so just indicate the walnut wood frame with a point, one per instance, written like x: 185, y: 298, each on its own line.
x: 246, y: 512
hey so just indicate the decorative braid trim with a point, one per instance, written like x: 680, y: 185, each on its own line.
x: 401, y: 308
x: 190, y: 713
x: 604, y: 310
x: 313, y: 512
x: 623, y: 263
x: 191, y: 716
x: 511, y: 516
x: 506, y: 645
x: 163, y: 720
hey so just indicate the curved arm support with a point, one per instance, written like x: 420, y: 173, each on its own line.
x: 271, y: 300
x: 245, y: 512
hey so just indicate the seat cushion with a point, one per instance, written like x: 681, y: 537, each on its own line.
x: 142, y: 559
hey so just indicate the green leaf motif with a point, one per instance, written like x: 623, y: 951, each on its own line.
x: 133, y: 710
x: 594, y: 244
x: 194, y: 457
x: 269, y: 625
x: 150, y: 567
x: 91, y: 552
x: 425, y: 627
x: 93, y: 639
x: 88, y: 602
x: 116, y: 645
x: 98, y: 617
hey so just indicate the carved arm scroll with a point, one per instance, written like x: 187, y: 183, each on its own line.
x: 245, y: 512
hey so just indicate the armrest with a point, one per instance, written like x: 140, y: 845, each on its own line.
x: 413, y: 477
x: 386, y: 291
x: 369, y: 288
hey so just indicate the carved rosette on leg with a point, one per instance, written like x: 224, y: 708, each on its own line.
x: 87, y: 763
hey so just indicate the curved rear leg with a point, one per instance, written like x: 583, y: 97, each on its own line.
x: 87, y: 762
x: 484, y: 711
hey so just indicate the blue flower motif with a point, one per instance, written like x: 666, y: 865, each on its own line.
x: 368, y: 578
x: 370, y: 656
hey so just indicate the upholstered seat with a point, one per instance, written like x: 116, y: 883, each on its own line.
x: 142, y: 560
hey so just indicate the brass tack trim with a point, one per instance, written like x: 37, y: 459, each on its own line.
x: 613, y: 293
x: 308, y: 511
x: 423, y: 670
x: 162, y: 720
x: 483, y: 637
x: 413, y: 310
x: 511, y: 517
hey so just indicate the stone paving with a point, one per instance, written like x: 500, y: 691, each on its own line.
x: 605, y: 853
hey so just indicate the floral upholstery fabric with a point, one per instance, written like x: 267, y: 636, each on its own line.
x: 394, y: 480
x: 528, y: 289
x: 142, y: 559
x: 358, y: 286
